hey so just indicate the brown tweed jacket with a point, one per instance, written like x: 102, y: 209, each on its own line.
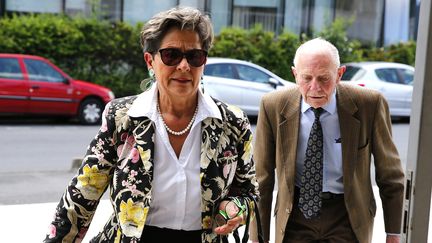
x: 365, y: 127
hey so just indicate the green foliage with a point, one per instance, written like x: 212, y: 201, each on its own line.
x: 232, y: 42
x: 258, y: 46
x: 85, y: 48
x: 110, y: 54
x: 403, y: 52
x: 349, y: 50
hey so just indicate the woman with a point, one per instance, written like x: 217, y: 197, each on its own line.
x: 178, y: 162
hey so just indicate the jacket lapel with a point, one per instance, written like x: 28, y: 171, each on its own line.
x: 143, y: 132
x: 136, y: 192
x: 211, y: 131
x: 349, y: 128
x: 288, y: 126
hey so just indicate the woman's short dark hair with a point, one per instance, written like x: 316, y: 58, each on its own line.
x: 184, y: 18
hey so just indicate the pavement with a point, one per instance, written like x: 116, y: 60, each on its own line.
x: 28, y: 223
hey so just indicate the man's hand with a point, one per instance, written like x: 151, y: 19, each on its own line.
x: 393, y: 239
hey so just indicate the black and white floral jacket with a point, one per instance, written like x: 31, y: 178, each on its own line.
x: 121, y: 157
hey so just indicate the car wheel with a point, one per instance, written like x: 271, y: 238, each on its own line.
x: 90, y: 111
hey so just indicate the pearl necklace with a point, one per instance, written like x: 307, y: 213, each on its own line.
x: 179, y: 133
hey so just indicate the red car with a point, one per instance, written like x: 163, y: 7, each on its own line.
x: 33, y: 85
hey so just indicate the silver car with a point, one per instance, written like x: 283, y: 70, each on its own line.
x: 393, y: 80
x: 240, y: 83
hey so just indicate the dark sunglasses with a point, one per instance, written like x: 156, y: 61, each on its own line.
x: 173, y: 56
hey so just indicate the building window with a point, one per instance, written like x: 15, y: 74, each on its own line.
x: 247, y: 17
x: 41, y: 6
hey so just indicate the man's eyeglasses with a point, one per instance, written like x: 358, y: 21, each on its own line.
x: 173, y: 56
x: 235, y: 206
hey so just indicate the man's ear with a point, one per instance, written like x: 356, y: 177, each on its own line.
x: 294, y: 72
x: 341, y: 71
x: 148, y: 58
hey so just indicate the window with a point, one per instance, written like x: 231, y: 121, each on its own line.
x: 252, y: 74
x: 10, y: 68
x: 388, y: 75
x: 407, y: 76
x: 219, y: 70
x: 246, y: 17
x: 350, y: 72
x: 41, y: 71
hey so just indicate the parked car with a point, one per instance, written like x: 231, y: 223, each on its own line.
x: 32, y: 85
x: 240, y: 83
x: 393, y: 80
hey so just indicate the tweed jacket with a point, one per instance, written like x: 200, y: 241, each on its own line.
x: 121, y: 157
x: 365, y: 127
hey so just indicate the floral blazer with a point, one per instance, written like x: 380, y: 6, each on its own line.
x: 121, y: 157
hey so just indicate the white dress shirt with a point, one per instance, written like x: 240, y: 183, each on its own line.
x: 176, y: 188
x: 332, y: 160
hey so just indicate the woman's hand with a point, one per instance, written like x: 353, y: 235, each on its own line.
x: 231, y: 224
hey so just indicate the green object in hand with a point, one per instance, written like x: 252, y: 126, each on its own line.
x: 232, y: 206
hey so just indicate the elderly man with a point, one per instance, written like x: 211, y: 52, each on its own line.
x: 317, y: 140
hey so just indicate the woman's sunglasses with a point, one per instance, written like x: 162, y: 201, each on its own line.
x: 173, y: 56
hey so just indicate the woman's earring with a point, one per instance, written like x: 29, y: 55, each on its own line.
x: 151, y: 73
x: 148, y: 82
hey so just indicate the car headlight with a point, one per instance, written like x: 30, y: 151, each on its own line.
x: 111, y: 95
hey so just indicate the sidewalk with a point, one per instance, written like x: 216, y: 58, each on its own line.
x: 28, y: 223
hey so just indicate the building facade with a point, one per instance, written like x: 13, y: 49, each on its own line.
x: 379, y: 22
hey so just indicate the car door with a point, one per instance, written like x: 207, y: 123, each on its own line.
x: 393, y: 90
x: 220, y: 81
x: 14, y: 89
x: 50, y: 92
x: 256, y: 84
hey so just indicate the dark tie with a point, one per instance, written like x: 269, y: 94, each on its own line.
x: 311, y: 180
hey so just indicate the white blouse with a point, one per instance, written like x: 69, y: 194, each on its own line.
x: 176, y: 195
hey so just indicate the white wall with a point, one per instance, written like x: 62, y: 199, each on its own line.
x: 45, y: 6
x: 142, y: 10
x: 396, y: 24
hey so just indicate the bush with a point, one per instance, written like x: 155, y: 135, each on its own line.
x: 110, y: 54
x: 349, y: 50
x: 85, y: 48
x: 403, y: 52
x: 258, y: 46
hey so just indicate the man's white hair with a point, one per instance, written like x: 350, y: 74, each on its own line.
x: 318, y: 45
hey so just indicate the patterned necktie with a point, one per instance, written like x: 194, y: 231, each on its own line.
x: 311, y: 180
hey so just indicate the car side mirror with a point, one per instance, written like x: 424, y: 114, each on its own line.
x: 273, y: 82
x: 66, y: 81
